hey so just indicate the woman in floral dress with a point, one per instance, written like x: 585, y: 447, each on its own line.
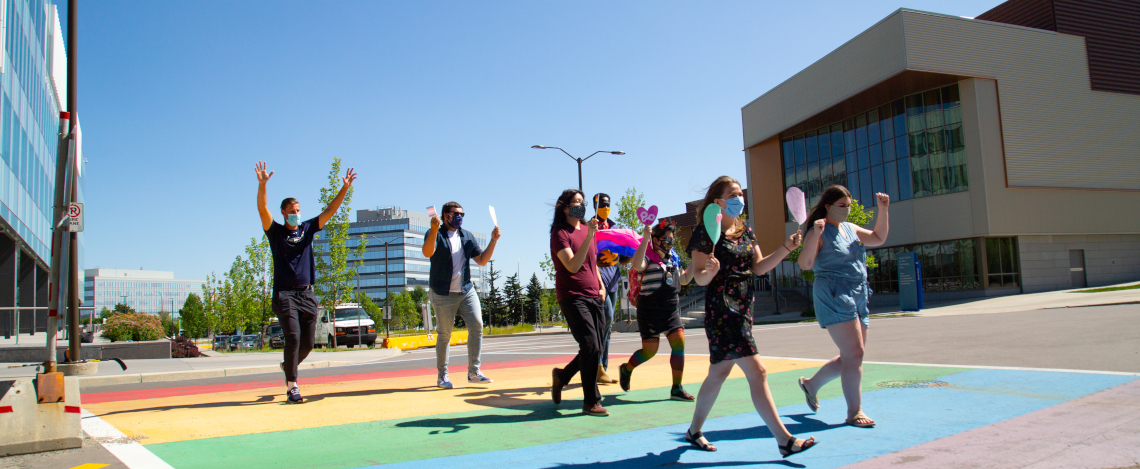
x: 727, y: 270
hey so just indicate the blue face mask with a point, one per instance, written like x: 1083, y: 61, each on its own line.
x: 734, y: 206
x: 293, y: 219
x: 456, y: 220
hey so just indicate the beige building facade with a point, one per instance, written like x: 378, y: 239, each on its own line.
x: 1008, y: 172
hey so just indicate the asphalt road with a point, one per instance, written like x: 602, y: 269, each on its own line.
x: 1097, y: 338
x: 1100, y: 338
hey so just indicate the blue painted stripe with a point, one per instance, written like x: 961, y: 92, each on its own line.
x: 906, y: 417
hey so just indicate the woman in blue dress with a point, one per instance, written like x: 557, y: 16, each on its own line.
x: 837, y: 252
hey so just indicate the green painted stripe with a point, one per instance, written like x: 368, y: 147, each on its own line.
x: 416, y: 438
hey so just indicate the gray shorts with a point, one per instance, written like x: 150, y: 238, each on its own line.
x: 838, y: 301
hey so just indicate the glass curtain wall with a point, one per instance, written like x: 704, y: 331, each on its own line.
x: 911, y: 147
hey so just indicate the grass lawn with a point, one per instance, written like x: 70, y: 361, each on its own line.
x: 1099, y: 290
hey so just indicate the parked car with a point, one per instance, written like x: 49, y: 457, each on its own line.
x: 276, y: 336
x: 235, y: 342
x: 251, y: 342
x: 221, y: 343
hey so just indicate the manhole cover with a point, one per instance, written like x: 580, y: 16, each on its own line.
x: 911, y: 383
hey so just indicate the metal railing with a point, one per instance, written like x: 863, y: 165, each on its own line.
x: 12, y: 326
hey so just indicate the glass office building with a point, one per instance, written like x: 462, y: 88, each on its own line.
x: 405, y: 266
x: 33, y: 91
x: 146, y: 291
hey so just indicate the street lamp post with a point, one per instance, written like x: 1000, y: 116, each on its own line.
x: 579, y: 160
x: 387, y: 274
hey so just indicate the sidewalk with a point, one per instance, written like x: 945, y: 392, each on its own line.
x: 235, y: 364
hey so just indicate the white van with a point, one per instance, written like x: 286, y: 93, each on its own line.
x: 349, y: 323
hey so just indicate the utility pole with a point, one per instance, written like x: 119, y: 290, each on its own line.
x: 62, y: 280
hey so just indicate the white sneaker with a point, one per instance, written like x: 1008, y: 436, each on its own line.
x: 477, y: 377
x: 444, y: 382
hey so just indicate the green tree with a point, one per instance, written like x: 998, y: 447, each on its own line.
x: 167, y: 322
x: 106, y: 313
x: 335, y: 278
x: 193, y: 315
x: 859, y: 215
x: 533, y: 306
x: 211, y: 303
x: 549, y: 296
x: 122, y: 308
x: 627, y: 209
x: 259, y: 275
x: 493, y: 305
x: 513, y: 297
x: 405, y: 311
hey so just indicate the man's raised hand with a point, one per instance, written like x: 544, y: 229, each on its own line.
x: 348, y: 178
x: 262, y: 176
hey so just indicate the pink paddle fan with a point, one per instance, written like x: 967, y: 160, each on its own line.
x: 797, y: 204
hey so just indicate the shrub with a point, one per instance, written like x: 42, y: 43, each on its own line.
x: 132, y: 326
x: 808, y: 313
x: 183, y: 347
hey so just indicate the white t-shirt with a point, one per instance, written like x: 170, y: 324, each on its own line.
x: 457, y: 261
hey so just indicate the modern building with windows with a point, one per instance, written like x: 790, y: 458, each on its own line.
x: 33, y: 91
x: 1007, y: 142
x: 405, y: 266
x: 145, y: 291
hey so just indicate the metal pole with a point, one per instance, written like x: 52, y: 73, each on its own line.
x: 579, y: 174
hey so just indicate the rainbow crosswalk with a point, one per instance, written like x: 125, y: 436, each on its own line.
x: 400, y: 417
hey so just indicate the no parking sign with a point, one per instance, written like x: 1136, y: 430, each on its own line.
x: 75, y: 217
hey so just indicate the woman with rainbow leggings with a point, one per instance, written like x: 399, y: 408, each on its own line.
x: 657, y: 311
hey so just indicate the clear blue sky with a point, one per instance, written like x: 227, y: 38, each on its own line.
x: 429, y: 101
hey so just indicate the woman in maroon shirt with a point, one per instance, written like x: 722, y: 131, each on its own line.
x: 580, y: 295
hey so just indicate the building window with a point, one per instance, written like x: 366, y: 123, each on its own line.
x: 1002, y: 263
x: 946, y: 266
x: 911, y: 147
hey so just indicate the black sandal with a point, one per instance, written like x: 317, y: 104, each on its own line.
x: 695, y: 440
x: 786, y: 449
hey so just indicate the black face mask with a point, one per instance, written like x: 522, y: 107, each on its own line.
x: 577, y: 212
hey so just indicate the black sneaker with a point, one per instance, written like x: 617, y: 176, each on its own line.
x: 623, y: 377
x: 678, y: 394
x: 294, y: 396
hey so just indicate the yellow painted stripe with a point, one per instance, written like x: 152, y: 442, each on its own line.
x: 90, y: 466
x: 168, y: 419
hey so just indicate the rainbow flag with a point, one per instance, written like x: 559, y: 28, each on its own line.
x: 622, y: 242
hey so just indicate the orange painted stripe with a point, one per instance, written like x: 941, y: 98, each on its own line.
x: 115, y: 396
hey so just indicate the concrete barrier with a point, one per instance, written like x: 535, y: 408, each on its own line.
x: 30, y: 427
x: 413, y: 342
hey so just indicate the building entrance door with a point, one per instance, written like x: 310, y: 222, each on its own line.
x: 1077, y: 267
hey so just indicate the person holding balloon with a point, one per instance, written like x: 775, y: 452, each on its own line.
x: 725, y: 257
x: 580, y: 295
x: 836, y: 251
x: 657, y: 303
x: 611, y: 276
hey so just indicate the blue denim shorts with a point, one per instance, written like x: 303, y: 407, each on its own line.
x: 837, y: 301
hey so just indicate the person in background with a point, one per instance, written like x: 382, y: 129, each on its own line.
x: 611, y: 276
x: 453, y: 292
x: 657, y: 304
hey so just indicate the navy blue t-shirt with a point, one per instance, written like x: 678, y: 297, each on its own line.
x: 293, y: 262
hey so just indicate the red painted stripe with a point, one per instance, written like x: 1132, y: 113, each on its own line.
x: 71, y: 409
x: 5, y: 409
x: 115, y: 396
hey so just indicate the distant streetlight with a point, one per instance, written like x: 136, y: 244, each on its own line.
x: 579, y: 160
